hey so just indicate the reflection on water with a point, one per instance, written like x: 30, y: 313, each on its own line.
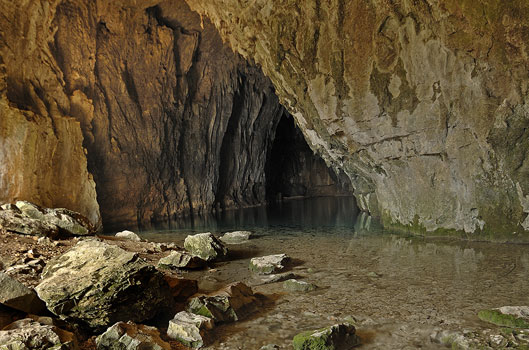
x: 310, y: 213
x: 400, y: 289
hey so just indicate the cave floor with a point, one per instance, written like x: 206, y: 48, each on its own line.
x: 399, y: 290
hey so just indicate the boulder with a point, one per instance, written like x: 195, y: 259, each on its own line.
x: 17, y: 296
x: 337, y: 337
x: 236, y: 237
x: 206, y: 246
x: 181, y: 260
x: 128, y: 235
x: 130, y: 336
x: 27, y: 334
x: 267, y: 265
x: 29, y: 219
x: 507, y: 316
x: 233, y: 303
x: 98, y: 284
x: 294, y: 285
x: 189, y: 329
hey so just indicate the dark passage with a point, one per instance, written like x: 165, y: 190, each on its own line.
x: 293, y: 170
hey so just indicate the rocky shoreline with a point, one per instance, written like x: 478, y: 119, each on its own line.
x: 62, y: 290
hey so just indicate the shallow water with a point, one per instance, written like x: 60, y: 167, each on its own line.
x: 399, y: 289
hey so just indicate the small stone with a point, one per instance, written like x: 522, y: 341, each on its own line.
x: 206, y: 246
x: 373, y: 274
x: 270, y: 347
x: 16, y: 295
x: 44, y: 241
x: 189, y: 329
x: 181, y: 260
x: 337, y: 337
x: 269, y: 264
x: 128, y: 235
x: 236, y: 237
x: 233, y: 303
x: 293, y: 285
x: 130, y: 336
x: 27, y: 334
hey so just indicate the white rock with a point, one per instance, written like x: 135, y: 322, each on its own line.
x: 128, y: 235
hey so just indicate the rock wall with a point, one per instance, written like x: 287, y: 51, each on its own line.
x: 424, y: 104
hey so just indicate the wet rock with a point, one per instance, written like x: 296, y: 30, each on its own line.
x: 337, y: 337
x: 231, y: 304
x: 205, y: 246
x: 268, y: 279
x: 181, y: 288
x: 507, y: 316
x: 293, y: 285
x: 130, y: 336
x: 27, y: 334
x: 268, y: 264
x: 97, y: 284
x: 236, y: 237
x: 181, y: 260
x: 128, y: 235
x: 189, y: 329
x: 16, y: 295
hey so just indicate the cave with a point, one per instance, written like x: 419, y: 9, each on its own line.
x: 227, y: 174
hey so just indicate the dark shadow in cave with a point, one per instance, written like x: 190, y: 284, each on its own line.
x: 293, y: 170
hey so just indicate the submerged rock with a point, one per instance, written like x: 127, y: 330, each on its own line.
x: 294, y: 285
x: 337, y: 337
x: 268, y: 264
x: 29, y: 219
x: 27, y: 334
x: 236, y: 237
x: 16, y: 295
x: 130, y: 336
x: 98, y: 284
x: 233, y: 303
x: 205, y: 246
x: 128, y: 235
x: 189, y: 329
x: 181, y: 260
x: 507, y: 316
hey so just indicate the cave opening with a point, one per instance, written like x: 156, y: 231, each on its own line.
x: 293, y: 170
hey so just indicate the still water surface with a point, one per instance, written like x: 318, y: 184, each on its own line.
x: 400, y: 289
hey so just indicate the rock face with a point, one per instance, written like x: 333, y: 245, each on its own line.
x: 32, y: 335
x: 97, y: 284
x: 424, y: 105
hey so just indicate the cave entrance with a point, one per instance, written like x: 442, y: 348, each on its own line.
x: 294, y: 171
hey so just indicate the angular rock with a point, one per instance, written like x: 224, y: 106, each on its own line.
x: 206, y: 246
x: 97, y: 284
x: 16, y: 222
x: 189, y: 329
x: 70, y: 222
x: 233, y: 303
x: 507, y: 316
x: 130, y: 336
x: 16, y: 295
x: 181, y: 288
x: 128, y: 235
x: 181, y: 260
x: 27, y: 334
x: 337, y: 337
x: 267, y: 265
x: 294, y: 285
x: 236, y: 237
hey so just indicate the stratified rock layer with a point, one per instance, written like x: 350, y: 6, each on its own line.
x: 423, y: 104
